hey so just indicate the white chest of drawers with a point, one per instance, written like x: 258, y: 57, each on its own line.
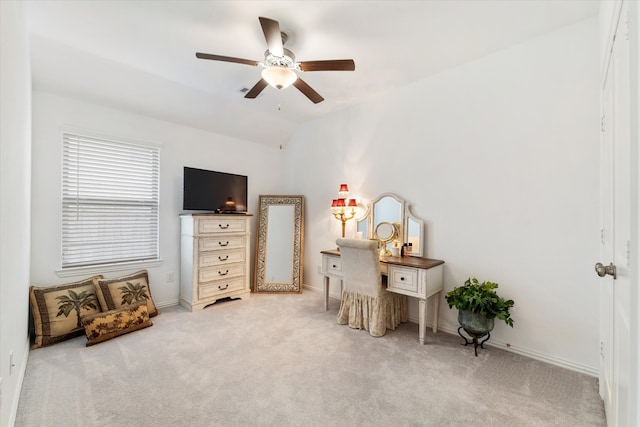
x: 214, y: 258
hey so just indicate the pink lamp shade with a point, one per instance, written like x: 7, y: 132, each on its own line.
x: 343, y: 188
x: 341, y: 203
x: 352, y: 203
x: 334, y: 204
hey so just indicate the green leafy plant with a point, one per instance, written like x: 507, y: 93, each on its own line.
x: 480, y: 298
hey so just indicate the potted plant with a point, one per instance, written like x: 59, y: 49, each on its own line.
x: 478, y: 305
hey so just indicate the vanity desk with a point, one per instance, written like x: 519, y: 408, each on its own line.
x: 409, y: 275
x: 389, y: 220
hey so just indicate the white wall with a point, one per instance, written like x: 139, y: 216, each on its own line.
x: 500, y: 158
x: 634, y: 382
x: 180, y: 146
x: 635, y: 197
x: 15, y: 170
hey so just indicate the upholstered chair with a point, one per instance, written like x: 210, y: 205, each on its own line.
x: 366, y: 304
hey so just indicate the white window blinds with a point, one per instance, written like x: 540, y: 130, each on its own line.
x: 110, y: 201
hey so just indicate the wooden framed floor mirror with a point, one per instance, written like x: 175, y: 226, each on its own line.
x: 279, y: 244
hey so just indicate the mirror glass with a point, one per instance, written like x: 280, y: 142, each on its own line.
x: 363, y: 225
x: 385, y: 231
x: 280, y: 233
x: 387, y: 209
x: 279, y: 244
x: 390, y: 208
x: 414, y: 235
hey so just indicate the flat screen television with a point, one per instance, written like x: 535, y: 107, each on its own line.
x: 206, y: 190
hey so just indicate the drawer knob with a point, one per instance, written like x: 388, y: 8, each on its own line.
x: 401, y: 278
x: 224, y: 244
x: 223, y: 274
x: 223, y: 258
x: 222, y: 288
x: 333, y: 266
x: 223, y: 227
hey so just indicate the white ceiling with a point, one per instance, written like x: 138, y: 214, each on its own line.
x: 139, y: 56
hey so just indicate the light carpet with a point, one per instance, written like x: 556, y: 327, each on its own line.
x: 281, y: 360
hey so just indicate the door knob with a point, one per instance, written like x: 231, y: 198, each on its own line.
x: 603, y: 270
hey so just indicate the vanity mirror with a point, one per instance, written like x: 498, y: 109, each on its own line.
x: 390, y: 208
x: 279, y: 244
x: 386, y: 232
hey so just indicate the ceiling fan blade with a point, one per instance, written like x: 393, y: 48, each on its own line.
x: 271, y: 30
x: 226, y: 59
x: 256, y: 89
x: 331, y: 65
x: 308, y: 91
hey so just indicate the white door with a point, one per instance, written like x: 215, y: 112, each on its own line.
x: 616, y: 385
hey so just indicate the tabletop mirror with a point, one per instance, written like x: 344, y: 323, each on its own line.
x: 387, y: 212
x: 279, y: 244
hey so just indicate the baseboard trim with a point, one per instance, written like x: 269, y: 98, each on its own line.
x: 313, y: 289
x: 21, y: 372
x: 169, y: 303
x: 532, y: 354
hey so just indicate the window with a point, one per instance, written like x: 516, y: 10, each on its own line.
x: 110, y: 201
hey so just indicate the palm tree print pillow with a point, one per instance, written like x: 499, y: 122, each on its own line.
x: 110, y: 324
x: 57, y: 310
x: 124, y: 291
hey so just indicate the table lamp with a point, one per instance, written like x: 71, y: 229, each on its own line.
x: 340, y: 206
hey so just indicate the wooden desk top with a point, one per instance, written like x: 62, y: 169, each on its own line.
x: 407, y: 261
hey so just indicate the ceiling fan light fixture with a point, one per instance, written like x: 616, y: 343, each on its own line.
x: 279, y: 77
x: 280, y: 66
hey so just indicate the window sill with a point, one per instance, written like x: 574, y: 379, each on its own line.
x: 105, y: 268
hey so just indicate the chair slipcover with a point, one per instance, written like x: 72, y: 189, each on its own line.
x: 366, y: 304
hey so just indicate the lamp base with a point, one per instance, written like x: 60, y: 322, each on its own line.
x: 384, y: 252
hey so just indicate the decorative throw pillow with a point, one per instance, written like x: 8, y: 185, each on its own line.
x: 124, y: 291
x: 57, y: 310
x: 110, y: 324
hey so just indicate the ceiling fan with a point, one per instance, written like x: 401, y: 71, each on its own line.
x: 280, y: 64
